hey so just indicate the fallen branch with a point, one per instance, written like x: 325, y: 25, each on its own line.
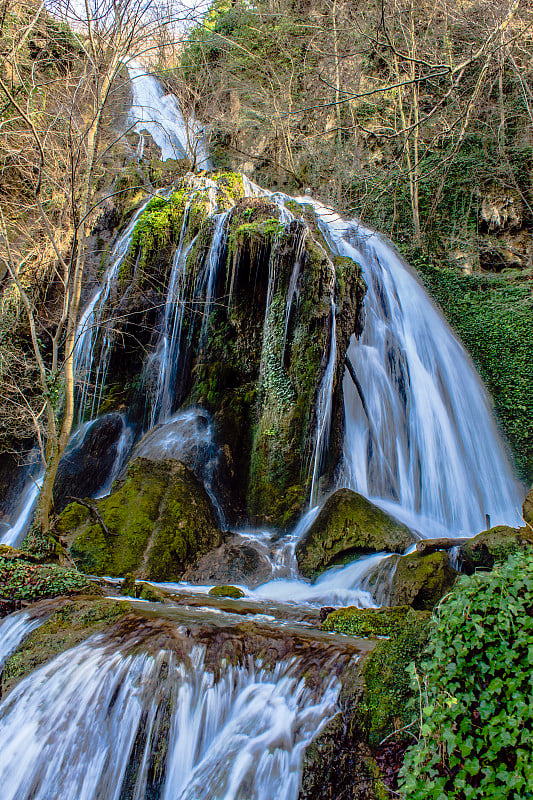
x: 427, y: 546
x: 96, y: 514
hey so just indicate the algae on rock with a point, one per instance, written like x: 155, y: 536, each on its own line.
x: 422, y: 581
x: 155, y: 523
x: 349, y: 525
x: 70, y: 622
x: 493, y: 546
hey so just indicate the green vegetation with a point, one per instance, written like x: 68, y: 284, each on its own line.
x: 382, y: 703
x: 386, y: 706
x: 21, y: 579
x: 494, y: 318
x: 475, y: 683
x: 493, y: 547
x: 363, y: 622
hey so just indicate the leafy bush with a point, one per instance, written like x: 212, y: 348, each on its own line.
x: 477, y: 720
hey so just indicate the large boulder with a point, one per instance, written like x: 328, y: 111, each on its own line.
x: 237, y: 560
x: 349, y: 525
x: 421, y: 581
x: 155, y: 524
x: 489, y: 547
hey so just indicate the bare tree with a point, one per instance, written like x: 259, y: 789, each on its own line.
x: 62, y: 84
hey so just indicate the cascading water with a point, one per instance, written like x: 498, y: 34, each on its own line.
x: 170, y: 349
x: 13, y: 630
x: 95, y: 723
x: 160, y: 115
x: 421, y: 439
x: 93, y: 320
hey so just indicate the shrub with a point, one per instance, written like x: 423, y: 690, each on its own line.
x: 477, y: 718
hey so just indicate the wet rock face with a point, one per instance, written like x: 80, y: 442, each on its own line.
x: 154, y: 524
x: 84, y: 468
x: 258, y: 363
x: 235, y: 561
x: 376, y: 700
x: 421, y: 581
x: 527, y: 510
x: 336, y: 767
x: 349, y: 525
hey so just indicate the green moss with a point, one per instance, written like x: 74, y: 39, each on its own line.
x: 230, y: 184
x: 260, y: 232
x: 226, y: 591
x: 67, y: 626
x: 146, y: 592
x: 494, y: 547
x: 158, y: 521
x: 387, y: 704
x: 364, y: 622
x: 128, y: 585
x: 349, y: 525
x: 421, y: 581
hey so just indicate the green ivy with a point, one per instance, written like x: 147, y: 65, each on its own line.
x: 477, y: 689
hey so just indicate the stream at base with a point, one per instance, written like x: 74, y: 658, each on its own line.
x: 99, y: 723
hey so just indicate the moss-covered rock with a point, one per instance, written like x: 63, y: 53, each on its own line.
x: 226, y: 591
x: 349, y: 525
x: 490, y: 547
x: 69, y: 624
x: 257, y: 354
x: 421, y: 581
x: 128, y: 585
x: 144, y: 591
x: 355, y: 621
x: 376, y: 702
x: 154, y: 524
x: 386, y: 706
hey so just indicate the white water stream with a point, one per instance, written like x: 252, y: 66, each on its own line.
x: 13, y: 630
x: 96, y: 704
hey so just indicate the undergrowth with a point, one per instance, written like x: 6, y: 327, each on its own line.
x: 476, y: 690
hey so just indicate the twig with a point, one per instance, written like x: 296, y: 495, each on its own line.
x: 94, y: 511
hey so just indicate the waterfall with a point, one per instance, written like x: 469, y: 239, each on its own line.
x: 421, y: 439
x: 23, y: 511
x: 160, y: 115
x: 95, y: 723
x: 93, y: 320
x: 13, y: 630
x: 324, y: 407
